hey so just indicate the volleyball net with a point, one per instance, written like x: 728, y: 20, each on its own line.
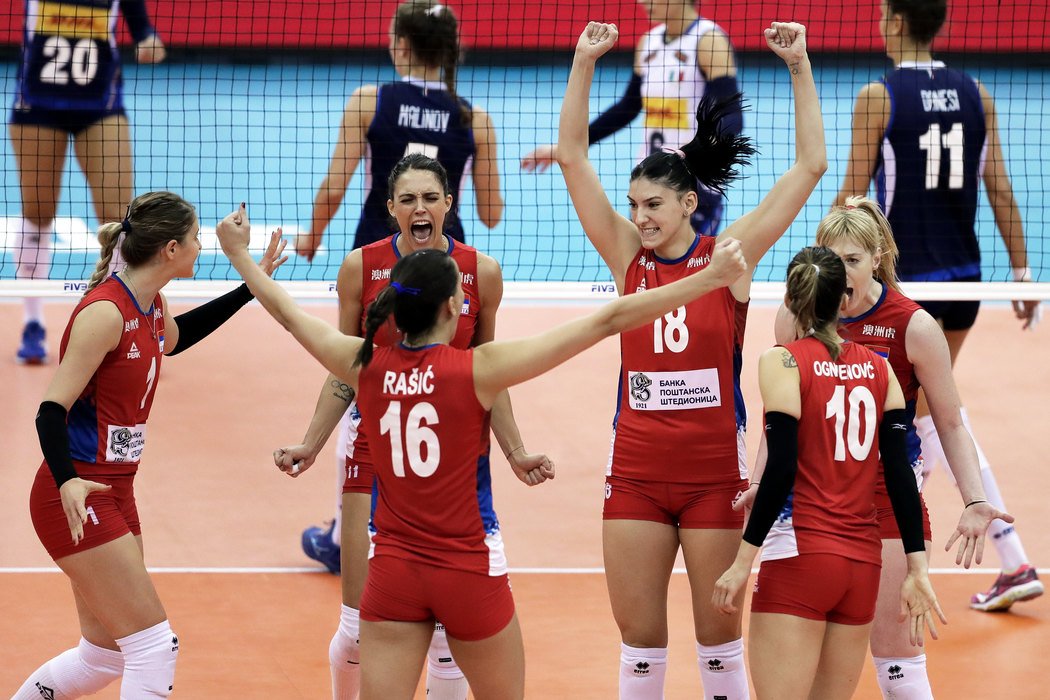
x: 248, y: 104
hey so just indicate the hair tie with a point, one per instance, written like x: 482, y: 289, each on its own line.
x: 676, y: 151
x: 817, y: 268
x: 435, y: 10
x: 402, y: 289
x: 125, y: 226
x: 850, y: 206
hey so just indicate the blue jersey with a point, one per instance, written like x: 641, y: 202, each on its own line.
x: 929, y: 170
x: 69, y: 53
x: 413, y: 117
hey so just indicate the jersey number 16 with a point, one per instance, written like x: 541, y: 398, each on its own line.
x: 412, y: 437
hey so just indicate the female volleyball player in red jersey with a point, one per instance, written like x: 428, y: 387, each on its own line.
x: 927, y: 161
x: 831, y: 408
x: 677, y: 459
x: 420, y: 201
x: 92, y: 427
x: 880, y: 317
x: 426, y: 404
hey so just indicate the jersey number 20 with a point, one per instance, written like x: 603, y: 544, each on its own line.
x: 79, y: 61
x: 847, y: 422
x: 412, y: 437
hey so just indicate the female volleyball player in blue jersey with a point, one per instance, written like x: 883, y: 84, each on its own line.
x: 677, y: 459
x: 676, y: 63
x: 421, y: 114
x: 928, y: 136
x: 69, y: 85
x: 92, y: 430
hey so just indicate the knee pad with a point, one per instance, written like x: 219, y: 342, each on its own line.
x: 345, y: 647
x: 903, y: 678
x: 439, y: 657
x: 149, y: 662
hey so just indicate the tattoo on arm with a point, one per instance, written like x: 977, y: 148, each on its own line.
x: 789, y: 361
x: 342, y: 391
x: 793, y: 67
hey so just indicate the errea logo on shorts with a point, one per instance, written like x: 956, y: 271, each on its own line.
x: 133, y: 353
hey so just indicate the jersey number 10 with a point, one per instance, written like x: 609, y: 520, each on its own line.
x: 412, y: 438
x: 847, y: 423
x: 934, y: 143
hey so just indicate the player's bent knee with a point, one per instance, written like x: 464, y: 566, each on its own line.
x: 149, y: 662
x: 439, y: 657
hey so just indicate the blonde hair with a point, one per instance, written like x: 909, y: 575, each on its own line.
x: 152, y: 220
x: 861, y: 221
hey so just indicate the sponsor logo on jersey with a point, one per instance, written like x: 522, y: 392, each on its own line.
x: 647, y: 264
x: 131, y: 325
x: 133, y: 353
x: 666, y: 113
x: 467, y: 277
x: 674, y: 391
x: 875, y: 331
x: 73, y: 21
x: 698, y: 261
x: 415, y: 117
x: 125, y: 443
x: 378, y: 275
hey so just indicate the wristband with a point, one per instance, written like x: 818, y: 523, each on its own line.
x: 519, y: 447
x: 974, y: 502
x: 1021, y: 274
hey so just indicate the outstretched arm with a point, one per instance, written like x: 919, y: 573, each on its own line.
x: 760, y: 228
x: 498, y: 365
x: 330, y: 347
x: 614, y: 237
x: 348, y: 151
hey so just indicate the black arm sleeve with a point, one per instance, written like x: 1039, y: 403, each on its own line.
x: 135, y: 15
x: 725, y: 89
x: 54, y: 441
x: 620, y: 114
x: 196, y: 324
x: 900, y: 480
x: 777, y: 479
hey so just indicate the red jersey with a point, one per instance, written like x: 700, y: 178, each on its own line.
x: 831, y: 509
x: 434, y: 505
x: 883, y: 329
x: 680, y: 412
x: 107, y: 422
x: 377, y: 259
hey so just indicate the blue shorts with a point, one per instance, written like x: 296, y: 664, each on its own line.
x: 72, y: 121
x: 954, y: 315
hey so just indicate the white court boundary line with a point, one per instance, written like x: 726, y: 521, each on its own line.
x: 312, y: 570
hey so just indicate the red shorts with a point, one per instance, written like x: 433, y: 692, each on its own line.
x: 825, y: 587
x: 471, y: 606
x: 690, y: 506
x: 888, y: 529
x: 111, y: 514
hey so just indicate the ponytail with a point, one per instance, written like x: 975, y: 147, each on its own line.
x: 378, y: 313
x: 432, y: 32
x: 711, y: 160
x: 816, y: 282
x: 108, y: 236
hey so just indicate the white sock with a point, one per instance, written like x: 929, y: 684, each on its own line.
x: 932, y: 451
x: 149, y: 662
x: 344, y: 655
x: 722, y: 671
x: 642, y: 673
x: 444, y: 679
x: 84, y: 670
x: 32, y: 256
x: 903, y: 679
x: 1003, y: 535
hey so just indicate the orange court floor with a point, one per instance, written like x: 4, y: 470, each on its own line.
x: 221, y: 525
